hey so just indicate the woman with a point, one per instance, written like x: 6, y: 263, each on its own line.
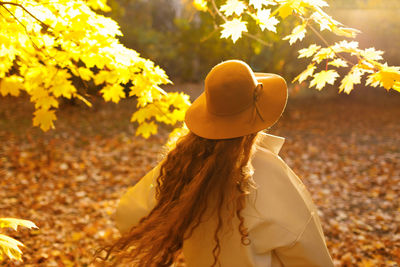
x: 223, y: 196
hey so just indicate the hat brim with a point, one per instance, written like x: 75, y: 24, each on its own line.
x: 271, y: 102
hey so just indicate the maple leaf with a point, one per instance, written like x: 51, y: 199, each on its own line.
x: 347, y: 83
x: 258, y: 4
x: 298, y: 33
x: 11, y: 85
x: 324, y: 77
x: 14, y: 223
x: 10, y: 247
x: 308, y: 52
x: 65, y: 89
x: 345, y: 46
x: 387, y: 77
x: 323, y: 53
x: 44, y: 119
x: 146, y: 129
x: 371, y: 54
x: 233, y: 29
x: 42, y: 99
x: 145, y: 113
x: 286, y: 8
x: 347, y: 32
x: 233, y: 7
x: 84, y: 73
x: 324, y: 21
x: 113, y: 92
x: 373, y: 79
x: 338, y: 62
x: 200, y: 5
x: 305, y: 74
x: 265, y: 21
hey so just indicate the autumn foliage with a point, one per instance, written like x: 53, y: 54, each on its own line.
x: 45, y: 45
x: 56, y: 50
x: 236, y: 14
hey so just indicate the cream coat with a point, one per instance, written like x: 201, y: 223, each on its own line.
x: 284, y: 228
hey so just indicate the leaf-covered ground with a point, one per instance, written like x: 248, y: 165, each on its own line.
x: 68, y: 181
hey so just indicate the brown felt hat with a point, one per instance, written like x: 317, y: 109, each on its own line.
x: 236, y: 102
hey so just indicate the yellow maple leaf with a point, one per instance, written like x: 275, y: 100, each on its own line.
x: 14, y: 223
x: 40, y: 96
x: 178, y: 100
x: 338, y: 62
x: 146, y: 129
x: 175, y: 135
x: 286, y: 8
x: 373, y: 79
x: 324, y: 53
x: 44, y: 119
x: 371, y: 54
x: 346, y: 32
x: 324, y: 21
x: 113, y: 92
x: 387, y: 77
x: 345, y: 46
x: 11, y: 85
x: 233, y: 29
x: 346, y: 84
x: 85, y: 74
x: 353, y: 77
x: 10, y: 248
x: 200, y: 5
x: 298, y: 33
x: 265, y: 20
x: 324, y: 77
x: 65, y: 89
x: 233, y: 7
x: 145, y: 113
x: 305, y: 74
x: 309, y: 51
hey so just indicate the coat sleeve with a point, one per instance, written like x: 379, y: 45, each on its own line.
x: 288, y: 219
x: 137, y: 202
x: 309, y: 249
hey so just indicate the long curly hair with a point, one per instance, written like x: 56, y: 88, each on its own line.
x: 194, y: 174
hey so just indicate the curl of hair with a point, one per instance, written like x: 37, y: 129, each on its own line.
x: 194, y: 171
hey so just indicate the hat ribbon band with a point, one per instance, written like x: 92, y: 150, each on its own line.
x: 256, y: 95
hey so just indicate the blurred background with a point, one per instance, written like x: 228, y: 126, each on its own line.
x: 187, y: 44
x: 345, y: 148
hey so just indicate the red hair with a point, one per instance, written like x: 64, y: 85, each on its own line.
x: 196, y: 169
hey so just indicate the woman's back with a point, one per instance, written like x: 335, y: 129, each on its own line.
x: 277, y: 214
x: 281, y: 219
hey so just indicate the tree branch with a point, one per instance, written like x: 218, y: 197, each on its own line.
x: 327, y: 44
x: 217, y: 10
x: 44, y: 25
x: 26, y: 31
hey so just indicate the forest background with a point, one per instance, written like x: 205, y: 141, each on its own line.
x: 185, y: 43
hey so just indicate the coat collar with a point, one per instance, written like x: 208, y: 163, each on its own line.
x: 271, y: 142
